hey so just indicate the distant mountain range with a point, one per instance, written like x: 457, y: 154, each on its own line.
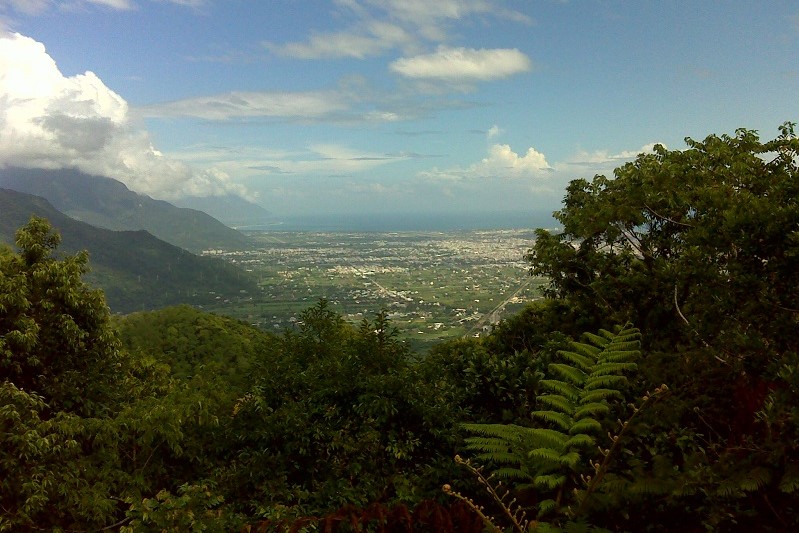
x: 136, y: 270
x: 109, y: 204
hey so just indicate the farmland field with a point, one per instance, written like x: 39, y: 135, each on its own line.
x: 434, y: 285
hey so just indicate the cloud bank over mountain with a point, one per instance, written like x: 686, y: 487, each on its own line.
x: 48, y: 120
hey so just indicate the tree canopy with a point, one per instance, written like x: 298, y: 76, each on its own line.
x: 55, y: 331
x: 697, y: 247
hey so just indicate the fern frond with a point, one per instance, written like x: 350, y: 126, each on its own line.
x: 620, y: 356
x: 487, y: 444
x: 591, y: 409
x: 562, y: 420
x: 755, y: 479
x: 549, y: 438
x: 549, y: 481
x: 508, y: 432
x: 544, y: 507
x: 728, y: 489
x: 545, y: 454
x: 560, y: 387
x: 612, y: 367
x: 569, y: 373
x: 581, y: 382
x: 570, y: 460
x: 598, y: 340
x: 507, y: 473
x: 582, y: 348
x: 790, y: 479
x: 582, y: 361
x: 594, y: 395
x: 585, y: 425
x: 581, y: 440
x: 604, y: 382
x: 557, y: 401
x: 500, y: 457
x: 626, y: 332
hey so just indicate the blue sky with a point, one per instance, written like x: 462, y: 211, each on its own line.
x: 369, y: 106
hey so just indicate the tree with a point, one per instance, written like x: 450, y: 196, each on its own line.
x: 56, y: 337
x: 698, y: 246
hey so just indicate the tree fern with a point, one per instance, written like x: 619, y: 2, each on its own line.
x: 579, y: 389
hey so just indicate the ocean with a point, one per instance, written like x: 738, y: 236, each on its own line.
x: 389, y: 222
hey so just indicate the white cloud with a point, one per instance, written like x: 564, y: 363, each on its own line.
x: 353, y: 102
x: 318, y: 160
x: 253, y: 104
x: 114, y: 4
x: 602, y: 159
x: 29, y: 6
x: 430, y: 18
x: 494, y: 131
x: 501, y: 162
x: 463, y: 64
x: 372, y: 39
x: 414, y: 25
x: 33, y: 7
x: 48, y: 120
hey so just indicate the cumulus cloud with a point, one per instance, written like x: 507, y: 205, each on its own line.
x: 463, y: 64
x: 501, y: 162
x: 48, y: 120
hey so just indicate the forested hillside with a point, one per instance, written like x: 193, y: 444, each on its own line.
x: 136, y: 270
x: 655, y: 388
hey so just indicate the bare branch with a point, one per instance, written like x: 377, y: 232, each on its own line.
x: 662, y: 217
x: 679, y: 312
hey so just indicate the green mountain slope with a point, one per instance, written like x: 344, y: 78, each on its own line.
x: 188, y: 339
x: 136, y: 270
x: 109, y: 204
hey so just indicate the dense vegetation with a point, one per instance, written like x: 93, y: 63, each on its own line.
x: 683, y: 269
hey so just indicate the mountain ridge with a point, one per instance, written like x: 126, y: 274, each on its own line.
x: 107, y: 203
x: 136, y: 270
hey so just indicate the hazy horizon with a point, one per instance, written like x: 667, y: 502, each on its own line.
x: 404, y: 222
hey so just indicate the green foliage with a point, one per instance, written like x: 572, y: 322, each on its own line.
x: 706, y: 233
x: 84, y: 426
x: 488, y: 384
x: 699, y: 248
x: 194, y: 508
x: 55, y: 332
x: 337, y: 415
x: 193, y: 342
x: 551, y: 459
